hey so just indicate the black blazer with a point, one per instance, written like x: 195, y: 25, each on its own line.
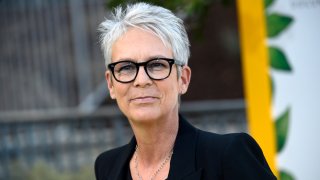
x: 197, y: 155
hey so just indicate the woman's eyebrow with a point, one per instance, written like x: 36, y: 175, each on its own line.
x: 156, y: 56
x: 140, y: 60
x: 124, y: 59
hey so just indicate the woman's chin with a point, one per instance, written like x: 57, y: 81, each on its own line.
x: 145, y: 116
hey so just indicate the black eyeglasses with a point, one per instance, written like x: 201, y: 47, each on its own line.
x: 156, y: 69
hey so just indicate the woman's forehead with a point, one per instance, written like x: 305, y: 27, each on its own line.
x: 138, y: 44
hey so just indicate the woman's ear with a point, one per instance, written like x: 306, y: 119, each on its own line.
x: 185, y: 79
x: 110, y: 84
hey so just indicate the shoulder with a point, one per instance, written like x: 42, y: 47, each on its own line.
x: 106, y: 160
x: 222, y: 141
x: 226, y: 141
x: 238, y: 155
x: 239, y: 145
x: 108, y: 156
x: 218, y: 145
x: 244, y: 158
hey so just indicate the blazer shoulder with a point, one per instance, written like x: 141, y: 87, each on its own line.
x: 238, y: 143
x: 105, y: 161
x: 217, y: 141
x: 215, y: 145
x: 244, y: 159
x: 238, y: 155
x: 223, y: 141
x: 108, y: 155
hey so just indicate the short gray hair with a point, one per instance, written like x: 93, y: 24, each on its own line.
x: 162, y: 22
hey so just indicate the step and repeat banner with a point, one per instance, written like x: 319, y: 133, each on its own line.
x: 280, y: 44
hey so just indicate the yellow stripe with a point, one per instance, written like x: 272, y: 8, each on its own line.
x: 256, y: 76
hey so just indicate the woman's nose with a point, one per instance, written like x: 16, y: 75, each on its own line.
x: 142, y: 78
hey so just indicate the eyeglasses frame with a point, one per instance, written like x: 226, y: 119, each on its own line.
x: 169, y: 60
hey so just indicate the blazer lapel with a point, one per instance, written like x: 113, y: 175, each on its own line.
x: 194, y: 176
x: 121, y: 166
x: 183, y: 162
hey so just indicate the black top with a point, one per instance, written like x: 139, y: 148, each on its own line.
x: 196, y: 155
x: 128, y: 176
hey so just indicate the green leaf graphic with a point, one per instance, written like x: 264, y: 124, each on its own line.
x: 267, y: 3
x: 285, y: 175
x: 278, y: 59
x: 272, y: 86
x: 282, y: 124
x: 276, y: 23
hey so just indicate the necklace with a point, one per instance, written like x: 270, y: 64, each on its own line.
x: 157, y: 171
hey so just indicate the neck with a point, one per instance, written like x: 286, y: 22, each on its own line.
x: 155, y: 141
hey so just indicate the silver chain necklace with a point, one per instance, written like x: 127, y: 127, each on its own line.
x: 157, y: 171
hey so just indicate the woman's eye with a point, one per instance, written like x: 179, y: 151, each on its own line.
x: 126, y: 68
x: 157, y: 66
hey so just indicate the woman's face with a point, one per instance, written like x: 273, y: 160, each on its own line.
x: 144, y: 99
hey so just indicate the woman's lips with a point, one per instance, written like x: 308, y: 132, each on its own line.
x: 144, y: 99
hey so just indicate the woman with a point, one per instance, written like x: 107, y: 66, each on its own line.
x: 146, y: 49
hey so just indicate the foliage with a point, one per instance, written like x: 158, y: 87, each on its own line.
x: 285, y: 176
x: 192, y: 11
x: 276, y: 24
x: 282, y: 124
x: 187, y: 7
x: 278, y: 59
x: 267, y: 3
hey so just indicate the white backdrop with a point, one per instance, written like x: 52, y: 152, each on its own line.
x: 300, y: 89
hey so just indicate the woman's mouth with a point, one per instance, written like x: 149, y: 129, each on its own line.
x: 144, y: 99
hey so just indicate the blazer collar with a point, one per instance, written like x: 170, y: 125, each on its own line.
x: 121, y: 166
x: 183, y: 162
x: 182, y: 165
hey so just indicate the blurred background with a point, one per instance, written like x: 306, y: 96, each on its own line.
x: 55, y: 112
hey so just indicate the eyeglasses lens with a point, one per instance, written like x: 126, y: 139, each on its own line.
x: 156, y: 69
